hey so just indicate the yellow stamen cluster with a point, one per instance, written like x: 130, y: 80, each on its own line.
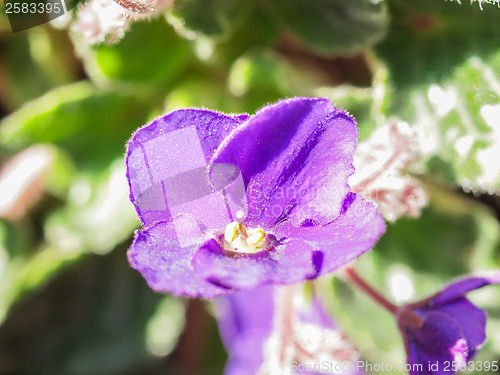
x: 242, y: 240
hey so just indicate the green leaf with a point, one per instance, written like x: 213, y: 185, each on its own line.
x: 203, y: 92
x: 150, y: 55
x: 248, y: 37
x: 256, y: 70
x: 333, y: 26
x: 259, y: 78
x: 215, y: 18
x: 90, y: 124
x: 445, y: 75
x: 34, y: 62
x: 438, y: 243
x: 428, y: 39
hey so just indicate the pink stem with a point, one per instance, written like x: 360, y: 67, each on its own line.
x: 370, y: 291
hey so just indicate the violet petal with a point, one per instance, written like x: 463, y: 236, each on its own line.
x: 295, y: 156
x: 156, y: 254
x: 439, y: 341
x: 460, y: 287
x: 471, y: 319
x: 287, y: 263
x: 430, y: 363
x: 439, y: 332
x: 344, y: 239
x: 178, y: 142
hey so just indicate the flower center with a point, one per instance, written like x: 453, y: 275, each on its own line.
x: 239, y: 239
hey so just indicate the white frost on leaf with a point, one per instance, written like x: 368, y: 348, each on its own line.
x: 488, y: 158
x: 463, y: 145
x: 443, y: 100
x: 380, y: 163
x: 487, y: 177
x: 482, y: 2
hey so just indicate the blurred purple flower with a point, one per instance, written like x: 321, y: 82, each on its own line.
x: 295, y: 221
x: 275, y: 330
x: 245, y: 321
x: 445, y: 328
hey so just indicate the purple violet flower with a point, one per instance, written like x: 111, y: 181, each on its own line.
x: 271, y: 330
x: 445, y: 328
x: 236, y: 202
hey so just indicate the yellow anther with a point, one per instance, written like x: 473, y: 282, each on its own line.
x: 255, y: 236
x: 239, y: 239
x: 231, y: 232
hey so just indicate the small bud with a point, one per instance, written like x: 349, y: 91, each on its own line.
x: 446, y: 327
x: 107, y: 21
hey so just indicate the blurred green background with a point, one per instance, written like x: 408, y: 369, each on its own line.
x: 69, y: 303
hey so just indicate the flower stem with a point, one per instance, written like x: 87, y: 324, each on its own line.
x: 369, y: 290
